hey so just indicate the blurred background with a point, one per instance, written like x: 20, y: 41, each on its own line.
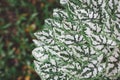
x: 19, y: 19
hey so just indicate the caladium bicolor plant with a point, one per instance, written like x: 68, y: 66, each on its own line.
x: 80, y: 42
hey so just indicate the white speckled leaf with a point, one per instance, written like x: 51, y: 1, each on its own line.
x: 81, y: 42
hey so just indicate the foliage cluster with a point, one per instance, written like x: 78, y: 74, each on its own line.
x: 80, y: 42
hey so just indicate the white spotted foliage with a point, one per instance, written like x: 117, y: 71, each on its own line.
x: 80, y: 42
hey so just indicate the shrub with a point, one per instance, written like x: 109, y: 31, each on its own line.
x: 80, y: 42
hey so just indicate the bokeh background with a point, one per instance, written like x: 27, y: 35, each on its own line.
x: 19, y: 19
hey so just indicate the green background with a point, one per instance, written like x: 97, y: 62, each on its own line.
x: 19, y: 19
